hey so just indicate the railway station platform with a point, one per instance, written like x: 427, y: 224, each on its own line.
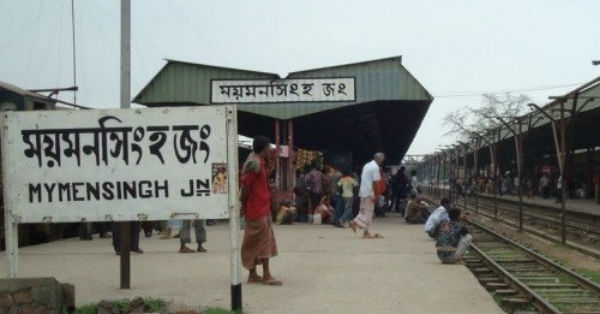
x: 323, y: 269
x: 585, y: 206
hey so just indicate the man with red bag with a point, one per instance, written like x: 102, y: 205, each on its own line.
x: 370, y: 190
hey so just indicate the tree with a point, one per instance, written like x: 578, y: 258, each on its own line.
x: 464, y: 123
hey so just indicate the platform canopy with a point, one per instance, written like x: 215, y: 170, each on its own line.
x: 381, y: 109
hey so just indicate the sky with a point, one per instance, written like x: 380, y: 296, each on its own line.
x: 540, y: 48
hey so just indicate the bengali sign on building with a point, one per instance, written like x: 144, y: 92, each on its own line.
x: 286, y: 90
x: 115, y: 165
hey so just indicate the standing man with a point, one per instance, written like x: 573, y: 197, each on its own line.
x: 336, y: 197
x: 414, y: 183
x: 135, y: 227
x: 596, y: 182
x: 369, y: 194
x: 259, y: 243
x: 199, y: 226
x: 315, y: 179
x: 545, y: 186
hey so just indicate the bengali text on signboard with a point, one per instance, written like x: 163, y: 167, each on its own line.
x: 287, y: 90
x: 98, y: 165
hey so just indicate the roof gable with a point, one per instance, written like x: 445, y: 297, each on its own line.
x: 376, y: 80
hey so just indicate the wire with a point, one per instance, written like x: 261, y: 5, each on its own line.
x: 74, y: 54
x: 474, y: 94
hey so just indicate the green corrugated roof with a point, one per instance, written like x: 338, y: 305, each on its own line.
x: 376, y: 80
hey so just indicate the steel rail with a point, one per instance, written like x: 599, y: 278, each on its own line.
x: 538, y: 301
x: 542, y: 259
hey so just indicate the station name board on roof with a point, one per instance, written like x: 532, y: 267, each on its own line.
x: 97, y: 165
x: 287, y: 90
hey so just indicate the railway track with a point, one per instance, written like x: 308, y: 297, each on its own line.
x: 525, y: 281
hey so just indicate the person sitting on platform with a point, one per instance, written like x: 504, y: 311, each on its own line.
x: 454, y: 239
x: 438, y: 215
x: 417, y: 211
x: 286, y: 214
x: 325, y: 210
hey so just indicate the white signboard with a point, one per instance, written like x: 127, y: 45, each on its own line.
x: 288, y: 90
x: 115, y: 165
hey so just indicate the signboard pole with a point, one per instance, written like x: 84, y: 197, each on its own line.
x: 234, y: 208
x: 11, y: 225
x: 125, y: 226
x: 12, y: 243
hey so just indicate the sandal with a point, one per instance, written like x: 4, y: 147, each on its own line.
x: 353, y: 226
x: 254, y: 281
x: 272, y: 282
x: 201, y: 250
x: 186, y: 250
x: 377, y: 236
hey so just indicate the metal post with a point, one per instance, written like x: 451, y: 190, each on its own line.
x: 450, y: 174
x: 443, y: 171
x: 456, y: 171
x: 277, y: 165
x: 125, y: 243
x: 465, y: 150
x: 519, y: 150
x: 11, y: 224
x: 563, y: 211
x: 11, y: 238
x: 74, y: 51
x: 290, y: 143
x: 234, y: 208
x: 476, y: 167
x: 125, y: 246
x: 494, y: 150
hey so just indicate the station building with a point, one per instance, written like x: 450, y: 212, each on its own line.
x: 345, y: 113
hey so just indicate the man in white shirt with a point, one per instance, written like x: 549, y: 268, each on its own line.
x: 414, y: 182
x: 438, y: 215
x: 369, y: 194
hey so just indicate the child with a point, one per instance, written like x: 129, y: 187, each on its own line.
x: 286, y: 214
x: 325, y: 209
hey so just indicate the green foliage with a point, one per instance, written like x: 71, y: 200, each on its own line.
x: 592, y: 275
x: 218, y: 310
x: 154, y: 305
x: 91, y: 308
x: 122, y: 304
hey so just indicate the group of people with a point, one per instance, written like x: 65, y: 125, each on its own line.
x: 181, y: 229
x: 259, y: 243
x: 326, y: 195
x: 510, y: 184
x: 333, y: 196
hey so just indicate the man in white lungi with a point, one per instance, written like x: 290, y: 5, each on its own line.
x: 369, y: 194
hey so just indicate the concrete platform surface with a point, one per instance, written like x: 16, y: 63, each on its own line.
x: 324, y: 270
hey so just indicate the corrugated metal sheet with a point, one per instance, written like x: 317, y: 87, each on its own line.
x: 376, y: 80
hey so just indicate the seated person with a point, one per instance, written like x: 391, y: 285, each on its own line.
x: 417, y: 210
x: 438, y: 215
x: 325, y: 209
x: 286, y: 214
x: 453, y: 238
